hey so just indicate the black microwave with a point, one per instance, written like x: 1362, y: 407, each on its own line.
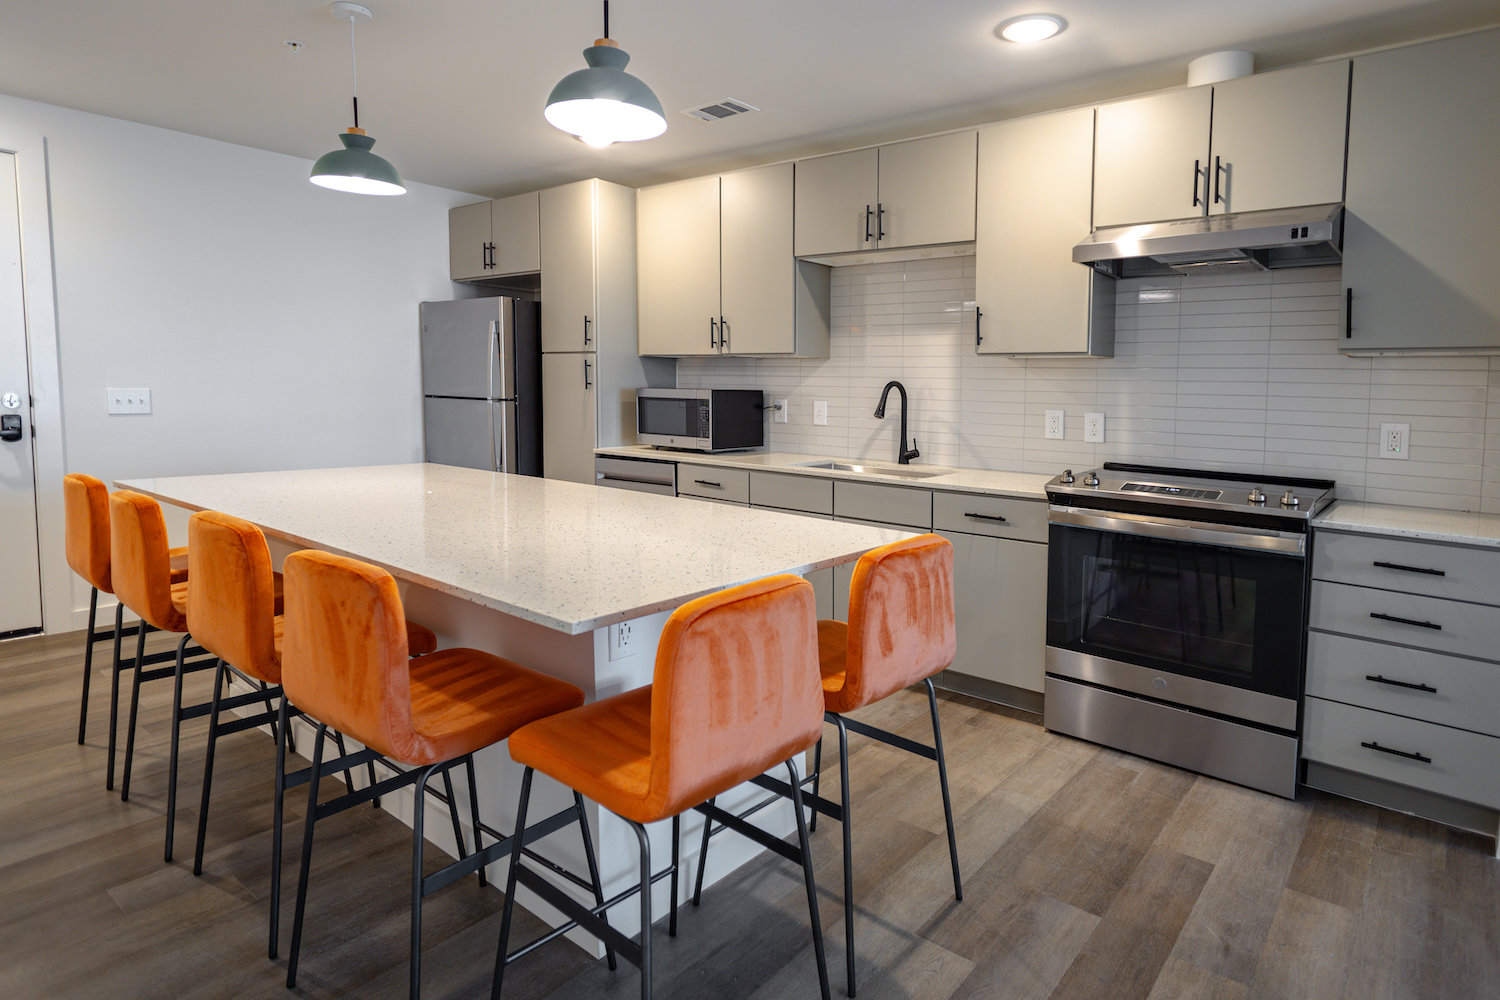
x: 700, y: 419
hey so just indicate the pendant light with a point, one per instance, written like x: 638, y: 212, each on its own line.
x: 605, y: 104
x: 354, y: 168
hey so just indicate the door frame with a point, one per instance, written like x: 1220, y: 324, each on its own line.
x: 49, y: 460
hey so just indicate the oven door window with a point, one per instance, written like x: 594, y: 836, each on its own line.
x: 669, y: 417
x: 1223, y: 614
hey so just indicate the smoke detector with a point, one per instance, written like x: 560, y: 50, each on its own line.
x: 726, y: 108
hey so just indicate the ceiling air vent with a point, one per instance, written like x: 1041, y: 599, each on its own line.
x: 726, y: 108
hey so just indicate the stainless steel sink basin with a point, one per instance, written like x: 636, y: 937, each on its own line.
x: 870, y: 470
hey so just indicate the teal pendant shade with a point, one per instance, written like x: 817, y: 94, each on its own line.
x: 604, y: 104
x: 356, y: 169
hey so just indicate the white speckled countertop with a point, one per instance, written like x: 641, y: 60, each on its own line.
x: 568, y: 556
x: 1412, y: 522
x: 1025, y: 485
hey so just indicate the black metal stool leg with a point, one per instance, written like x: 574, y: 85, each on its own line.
x: 645, y: 840
x: 208, y: 765
x: 307, y: 842
x: 135, y: 700
x: 474, y: 813
x: 937, y: 739
x: 508, y: 910
x: 807, y: 874
x: 88, y: 664
x: 418, y: 841
x: 676, y: 861
x: 848, y: 826
x: 284, y: 732
x: 708, y: 826
x: 458, y: 830
x: 338, y: 741
x: 176, y: 746
x: 588, y: 853
x: 817, y: 777
x: 114, y: 695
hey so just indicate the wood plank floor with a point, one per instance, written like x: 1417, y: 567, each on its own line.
x: 1088, y: 874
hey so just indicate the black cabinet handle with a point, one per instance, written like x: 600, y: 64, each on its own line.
x: 868, y: 237
x: 879, y: 222
x: 586, y: 383
x: 1348, y: 313
x: 1218, y: 169
x: 1397, y: 753
x: 1197, y: 170
x: 987, y: 517
x: 1411, y: 569
x: 1404, y: 621
x: 585, y: 329
x: 1400, y: 684
x: 705, y: 482
x: 978, y: 337
x: 713, y: 332
x: 723, y: 334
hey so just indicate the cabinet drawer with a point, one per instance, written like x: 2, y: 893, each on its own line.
x: 885, y: 504
x: 1409, y: 619
x: 1466, y: 695
x: 1000, y: 517
x: 1459, y: 765
x: 806, y: 494
x: 1411, y: 566
x: 716, y: 484
x: 726, y: 503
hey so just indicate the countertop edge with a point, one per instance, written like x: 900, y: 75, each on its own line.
x: 1472, y: 529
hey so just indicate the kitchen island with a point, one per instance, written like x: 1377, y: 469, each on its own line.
x: 568, y: 579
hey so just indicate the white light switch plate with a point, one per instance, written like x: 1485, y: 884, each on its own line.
x: 820, y: 411
x: 129, y: 400
x: 1395, y: 441
x: 1053, y: 427
x: 1093, y: 428
x: 781, y: 410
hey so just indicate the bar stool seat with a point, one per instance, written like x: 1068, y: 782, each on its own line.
x: 602, y: 750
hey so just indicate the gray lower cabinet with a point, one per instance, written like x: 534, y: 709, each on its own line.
x: 1000, y: 597
x: 1402, y: 700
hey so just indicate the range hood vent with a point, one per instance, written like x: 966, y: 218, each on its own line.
x: 1218, y: 244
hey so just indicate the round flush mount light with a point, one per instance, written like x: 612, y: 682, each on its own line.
x: 1030, y: 27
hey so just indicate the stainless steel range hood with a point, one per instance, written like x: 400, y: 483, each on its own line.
x: 1218, y: 244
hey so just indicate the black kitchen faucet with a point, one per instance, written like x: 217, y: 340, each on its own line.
x: 903, y: 456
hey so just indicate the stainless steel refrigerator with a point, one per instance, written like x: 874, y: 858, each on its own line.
x: 482, y: 384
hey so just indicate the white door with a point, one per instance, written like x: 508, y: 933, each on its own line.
x: 1151, y: 158
x: 20, y: 569
x: 569, y: 266
x: 927, y: 191
x: 677, y: 261
x: 569, y: 416
x: 759, y: 287
x: 836, y: 200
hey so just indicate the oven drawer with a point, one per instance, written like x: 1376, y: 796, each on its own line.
x: 1466, y: 695
x: 714, y: 483
x: 884, y: 504
x: 1414, y: 567
x: 1408, y: 619
x: 1458, y: 764
x: 999, y: 517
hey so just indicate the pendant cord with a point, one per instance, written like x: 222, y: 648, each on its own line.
x: 353, y: 71
x: 606, y: 18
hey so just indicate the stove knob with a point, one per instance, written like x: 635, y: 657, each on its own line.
x: 1256, y: 496
x: 1066, y: 477
x: 1290, y: 499
x: 1091, y: 480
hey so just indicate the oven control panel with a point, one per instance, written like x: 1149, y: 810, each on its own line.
x: 1176, y: 491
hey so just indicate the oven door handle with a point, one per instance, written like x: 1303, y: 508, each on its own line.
x: 1232, y: 535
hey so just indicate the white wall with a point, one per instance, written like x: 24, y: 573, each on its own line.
x: 1239, y: 372
x: 273, y: 321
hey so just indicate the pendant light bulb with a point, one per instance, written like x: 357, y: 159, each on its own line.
x: 604, y: 104
x: 354, y: 168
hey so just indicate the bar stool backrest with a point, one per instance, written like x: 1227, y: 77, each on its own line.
x: 231, y: 594
x: 140, y: 561
x: 737, y: 690
x: 343, y: 656
x: 901, y: 621
x: 86, y: 511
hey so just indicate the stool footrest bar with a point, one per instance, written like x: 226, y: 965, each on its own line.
x: 832, y: 810
x: 751, y: 831
x: 497, y: 850
x: 580, y: 915
x: 890, y: 739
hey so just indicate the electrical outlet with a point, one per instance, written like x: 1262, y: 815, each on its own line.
x: 129, y: 400
x: 1093, y: 428
x: 621, y: 641
x: 820, y: 412
x: 781, y: 410
x: 1053, y: 428
x: 1395, y: 441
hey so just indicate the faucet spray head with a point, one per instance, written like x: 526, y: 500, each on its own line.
x: 880, y: 410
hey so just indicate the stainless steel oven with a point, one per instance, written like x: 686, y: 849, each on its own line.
x: 1176, y: 616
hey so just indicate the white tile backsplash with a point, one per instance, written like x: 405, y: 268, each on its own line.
x: 1235, y: 372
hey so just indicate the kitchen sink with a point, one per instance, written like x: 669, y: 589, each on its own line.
x: 870, y: 470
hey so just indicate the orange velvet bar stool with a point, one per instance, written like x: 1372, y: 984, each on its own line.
x: 86, y: 515
x: 735, y: 692
x: 344, y: 664
x: 231, y: 612
x: 900, y: 632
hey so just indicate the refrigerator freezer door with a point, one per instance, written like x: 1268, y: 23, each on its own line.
x: 465, y: 348
x: 461, y: 431
x: 503, y: 414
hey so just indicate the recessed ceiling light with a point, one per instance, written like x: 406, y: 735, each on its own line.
x: 1030, y: 27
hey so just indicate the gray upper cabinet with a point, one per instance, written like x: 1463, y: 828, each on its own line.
x: 1034, y: 195
x: 1277, y: 142
x: 495, y: 238
x: 717, y: 275
x: 1421, y: 205
x: 588, y: 267
x: 906, y: 194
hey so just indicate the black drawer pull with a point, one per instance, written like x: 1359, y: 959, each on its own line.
x: 1404, y: 621
x: 1412, y: 569
x: 705, y: 482
x: 1398, y: 753
x: 1400, y: 684
x: 987, y: 517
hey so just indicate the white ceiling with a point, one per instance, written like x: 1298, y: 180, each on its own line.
x: 453, y: 89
